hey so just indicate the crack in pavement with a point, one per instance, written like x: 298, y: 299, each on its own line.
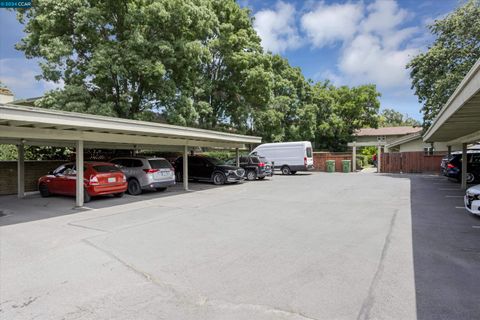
x: 367, y: 304
x: 199, y: 300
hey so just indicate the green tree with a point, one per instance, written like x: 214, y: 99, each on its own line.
x: 118, y: 58
x: 436, y: 73
x: 393, y: 118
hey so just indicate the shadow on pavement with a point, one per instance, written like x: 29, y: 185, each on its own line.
x: 446, y: 250
x: 33, y: 207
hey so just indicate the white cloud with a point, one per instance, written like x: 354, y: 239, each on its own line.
x: 365, y: 59
x: 327, y: 24
x: 374, y: 44
x: 277, y: 28
x: 18, y: 74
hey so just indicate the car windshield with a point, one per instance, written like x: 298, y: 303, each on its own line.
x: 215, y: 161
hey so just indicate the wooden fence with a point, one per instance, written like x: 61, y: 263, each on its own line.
x: 411, y: 162
x: 320, y: 158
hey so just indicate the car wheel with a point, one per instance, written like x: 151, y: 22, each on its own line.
x: 251, y: 175
x: 134, y: 187
x: 161, y: 189
x: 285, y: 170
x: 44, y: 192
x: 86, y: 196
x: 261, y: 178
x: 470, y: 177
x: 119, y: 195
x: 293, y: 172
x: 218, y: 178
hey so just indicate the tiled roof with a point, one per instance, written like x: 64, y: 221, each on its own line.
x: 387, y: 131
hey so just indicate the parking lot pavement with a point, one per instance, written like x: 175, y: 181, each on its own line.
x: 309, y: 246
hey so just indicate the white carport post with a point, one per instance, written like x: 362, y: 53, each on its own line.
x: 354, y: 157
x: 185, y: 168
x: 20, y: 171
x: 237, y: 157
x: 464, y: 166
x: 379, y: 158
x: 79, y: 180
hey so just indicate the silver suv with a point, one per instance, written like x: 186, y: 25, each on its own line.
x: 145, y: 173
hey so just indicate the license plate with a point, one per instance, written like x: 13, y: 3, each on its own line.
x: 110, y: 180
x: 161, y: 174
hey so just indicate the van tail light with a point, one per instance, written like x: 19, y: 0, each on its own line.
x: 305, y: 160
x: 450, y: 166
x: 147, y: 171
x: 124, y: 178
x: 261, y: 164
x: 93, y: 181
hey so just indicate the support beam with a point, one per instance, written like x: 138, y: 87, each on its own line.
x: 379, y: 159
x: 237, y: 157
x: 185, y: 168
x: 21, y: 171
x: 449, y: 151
x: 79, y: 168
x: 354, y: 157
x: 464, y: 166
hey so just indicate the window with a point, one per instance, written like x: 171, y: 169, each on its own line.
x: 309, y: 152
x: 105, y: 169
x: 122, y: 162
x: 62, y: 168
x: 428, y: 151
x: 160, y: 164
x: 255, y: 160
x: 136, y: 163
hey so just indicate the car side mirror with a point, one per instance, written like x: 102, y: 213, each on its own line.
x: 50, y: 172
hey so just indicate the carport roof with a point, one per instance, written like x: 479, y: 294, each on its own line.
x: 459, y: 119
x: 39, y: 126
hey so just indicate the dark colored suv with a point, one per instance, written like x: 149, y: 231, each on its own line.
x: 254, y: 167
x: 454, y: 166
x: 209, y: 169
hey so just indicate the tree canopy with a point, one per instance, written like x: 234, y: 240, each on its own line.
x: 393, y: 118
x: 436, y: 73
x: 195, y: 62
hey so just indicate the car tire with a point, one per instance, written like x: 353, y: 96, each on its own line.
x: 285, y: 170
x: 251, y: 175
x: 44, y: 192
x: 119, y: 195
x: 470, y: 177
x: 261, y: 178
x: 86, y: 196
x: 134, y: 187
x: 161, y: 189
x: 218, y: 178
x: 293, y: 172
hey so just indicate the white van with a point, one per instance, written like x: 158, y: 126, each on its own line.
x: 289, y: 157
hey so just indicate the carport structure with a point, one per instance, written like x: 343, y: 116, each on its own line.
x: 44, y: 127
x: 458, y: 122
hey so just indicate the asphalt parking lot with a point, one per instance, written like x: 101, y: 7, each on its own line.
x: 310, y: 246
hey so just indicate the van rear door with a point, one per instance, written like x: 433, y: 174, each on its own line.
x: 309, y: 157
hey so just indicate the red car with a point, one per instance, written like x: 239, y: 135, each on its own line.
x: 99, y: 178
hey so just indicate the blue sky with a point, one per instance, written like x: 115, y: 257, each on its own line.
x: 348, y: 42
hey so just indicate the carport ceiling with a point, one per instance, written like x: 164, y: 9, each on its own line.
x: 37, y: 126
x: 459, y: 119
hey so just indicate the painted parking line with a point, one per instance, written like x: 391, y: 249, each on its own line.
x: 476, y: 227
x: 450, y: 189
x: 453, y: 196
x: 459, y: 207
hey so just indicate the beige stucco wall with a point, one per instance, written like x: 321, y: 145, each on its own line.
x: 5, y: 98
x: 419, y: 145
x: 373, y: 140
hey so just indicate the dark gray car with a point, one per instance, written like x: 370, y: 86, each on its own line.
x: 146, y: 173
